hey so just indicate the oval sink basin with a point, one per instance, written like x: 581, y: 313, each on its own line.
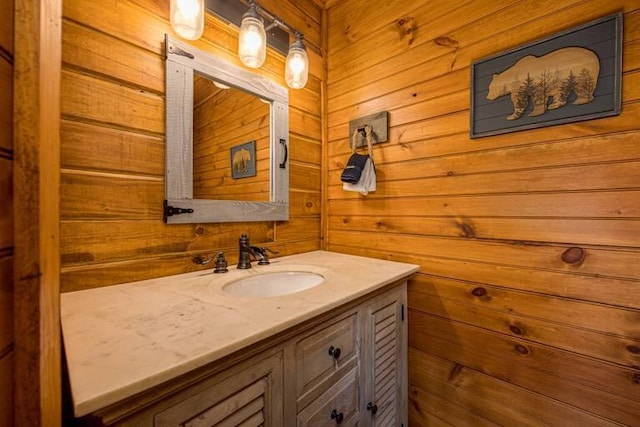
x: 273, y: 284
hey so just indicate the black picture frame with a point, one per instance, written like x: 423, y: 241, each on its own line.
x: 563, y: 74
x: 243, y: 160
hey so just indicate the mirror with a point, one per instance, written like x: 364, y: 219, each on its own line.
x: 231, y: 140
x: 227, y: 141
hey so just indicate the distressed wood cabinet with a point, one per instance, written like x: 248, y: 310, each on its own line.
x: 346, y: 367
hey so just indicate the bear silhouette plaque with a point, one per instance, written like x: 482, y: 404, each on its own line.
x: 567, y: 77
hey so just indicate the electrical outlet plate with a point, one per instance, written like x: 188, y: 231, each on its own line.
x: 378, y: 121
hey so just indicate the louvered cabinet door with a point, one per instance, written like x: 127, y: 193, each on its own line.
x: 384, y: 366
x: 250, y: 398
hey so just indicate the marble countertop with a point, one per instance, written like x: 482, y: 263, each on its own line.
x: 124, y: 339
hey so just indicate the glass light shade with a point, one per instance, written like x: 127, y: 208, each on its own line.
x: 297, y: 66
x: 187, y: 18
x: 252, y: 42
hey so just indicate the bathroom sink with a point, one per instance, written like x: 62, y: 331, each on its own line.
x: 273, y: 284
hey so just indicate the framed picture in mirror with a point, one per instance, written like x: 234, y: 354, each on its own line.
x: 243, y: 160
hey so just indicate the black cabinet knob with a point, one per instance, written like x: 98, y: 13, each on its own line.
x: 337, y: 416
x: 373, y: 408
x: 334, y: 352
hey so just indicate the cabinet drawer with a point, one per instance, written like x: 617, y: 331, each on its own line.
x: 326, y: 352
x: 341, y: 400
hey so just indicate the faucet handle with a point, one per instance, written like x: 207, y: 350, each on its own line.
x: 221, y: 264
x: 262, y: 252
x: 201, y: 260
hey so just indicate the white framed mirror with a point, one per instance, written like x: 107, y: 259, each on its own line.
x: 227, y: 141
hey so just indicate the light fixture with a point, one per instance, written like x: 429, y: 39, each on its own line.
x: 296, y: 67
x: 187, y: 18
x: 252, y: 40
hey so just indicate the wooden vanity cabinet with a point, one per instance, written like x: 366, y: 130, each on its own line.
x: 384, y: 361
x: 250, y: 394
x: 346, y: 368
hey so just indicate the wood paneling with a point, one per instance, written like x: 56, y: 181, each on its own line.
x: 6, y: 389
x: 6, y: 99
x: 6, y: 204
x: 224, y: 119
x: 113, y: 145
x: 6, y: 337
x: 6, y: 214
x: 505, y: 329
x: 36, y: 183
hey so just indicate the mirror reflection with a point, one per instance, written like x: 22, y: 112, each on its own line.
x: 231, y: 140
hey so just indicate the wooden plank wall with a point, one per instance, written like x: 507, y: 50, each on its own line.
x: 6, y: 213
x: 526, y: 310
x: 225, y: 118
x: 113, y: 145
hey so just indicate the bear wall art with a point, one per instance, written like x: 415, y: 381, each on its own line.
x: 568, y: 77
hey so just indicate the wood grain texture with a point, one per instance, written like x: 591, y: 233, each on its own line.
x: 36, y: 184
x: 496, y: 216
x: 6, y: 304
x: 6, y: 204
x: 6, y: 215
x: 490, y: 397
x: 6, y: 103
x: 6, y: 389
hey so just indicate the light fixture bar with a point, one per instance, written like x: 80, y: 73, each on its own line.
x: 232, y: 10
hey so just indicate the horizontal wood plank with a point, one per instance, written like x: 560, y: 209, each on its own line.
x: 471, y: 42
x: 612, y: 176
x: 433, y: 410
x: 304, y: 203
x: 580, y: 151
x: 613, y: 232
x: 600, y: 331
x: 439, y: 137
x: 492, y: 398
x: 86, y: 98
x: 97, y: 53
x: 294, y: 228
x: 91, y: 147
x: 100, y: 196
x: 596, y: 288
x: 602, y: 204
x: 600, y: 388
x: 96, y: 242
x: 93, y: 276
x: 597, y: 261
x: 304, y: 177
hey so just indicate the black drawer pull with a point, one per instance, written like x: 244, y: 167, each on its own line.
x: 373, y: 408
x: 338, y: 416
x: 334, y: 352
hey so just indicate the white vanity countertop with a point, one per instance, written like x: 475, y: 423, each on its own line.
x: 124, y: 339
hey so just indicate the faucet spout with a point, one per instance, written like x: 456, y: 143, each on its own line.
x: 245, y: 252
